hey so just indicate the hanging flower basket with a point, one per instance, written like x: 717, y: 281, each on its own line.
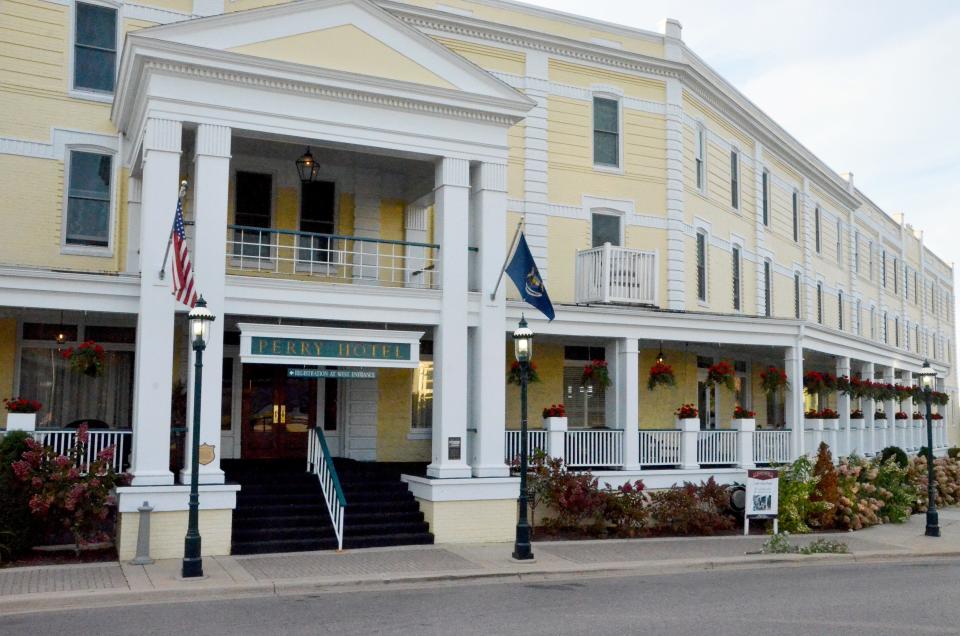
x: 815, y: 382
x: 686, y: 412
x: 903, y: 392
x: 860, y: 388
x: 722, y: 373
x: 596, y: 373
x: 661, y: 374
x: 843, y: 384
x: 87, y: 358
x: 773, y: 379
x: 513, y: 375
x: 21, y: 405
x: 936, y: 416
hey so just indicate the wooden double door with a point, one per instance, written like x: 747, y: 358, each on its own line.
x: 278, y: 413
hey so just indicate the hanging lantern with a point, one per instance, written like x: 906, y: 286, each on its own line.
x: 307, y: 167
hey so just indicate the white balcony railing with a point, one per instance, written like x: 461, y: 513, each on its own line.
x: 717, y: 447
x: 612, y: 274
x: 63, y: 440
x: 660, y: 448
x: 594, y: 448
x: 536, y: 440
x: 772, y: 447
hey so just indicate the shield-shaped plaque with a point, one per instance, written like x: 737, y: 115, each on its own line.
x: 206, y: 454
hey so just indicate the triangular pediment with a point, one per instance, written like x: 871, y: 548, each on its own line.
x: 351, y: 36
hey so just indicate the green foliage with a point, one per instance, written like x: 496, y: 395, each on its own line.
x: 896, y: 492
x: 690, y: 509
x: 797, y: 486
x: 826, y: 491
x: 953, y: 452
x: 895, y: 452
x: 626, y: 508
x: 780, y: 544
x: 17, y: 526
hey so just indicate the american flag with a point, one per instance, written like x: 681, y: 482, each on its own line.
x: 183, y: 287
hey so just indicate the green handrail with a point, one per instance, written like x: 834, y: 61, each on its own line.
x: 333, y: 470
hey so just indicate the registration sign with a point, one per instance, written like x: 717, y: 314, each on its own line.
x: 339, y: 374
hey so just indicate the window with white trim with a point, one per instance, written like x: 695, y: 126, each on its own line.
x: 735, y: 179
x: 858, y: 318
x: 873, y: 323
x: 816, y: 228
x: 870, y: 258
x: 820, y: 303
x: 701, y: 266
x: 883, y: 268
x: 916, y: 287
x: 700, y: 157
x: 796, y: 295
x: 883, y: 327
x: 840, y: 310
x: 896, y: 331
x: 916, y: 337
x: 796, y: 216
x: 765, y: 196
x: 767, y: 289
x: 606, y: 132
x: 906, y: 335
x: 605, y: 228
x: 736, y: 278
x: 896, y: 277
x: 94, y: 47
x: 421, y: 403
x: 856, y: 252
x: 839, y: 243
x: 89, y: 179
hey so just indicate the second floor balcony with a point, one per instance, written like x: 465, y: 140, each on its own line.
x: 613, y: 274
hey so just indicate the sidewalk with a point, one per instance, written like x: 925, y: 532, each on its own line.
x: 63, y: 587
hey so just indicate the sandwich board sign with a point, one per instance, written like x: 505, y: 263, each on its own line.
x: 763, y: 485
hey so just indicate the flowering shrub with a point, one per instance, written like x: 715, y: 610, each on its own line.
x: 661, y: 373
x: 900, y: 415
x: 690, y: 510
x: 740, y: 413
x: 856, y: 414
x: 88, y: 358
x: 946, y: 474
x: 625, y: 508
x: 773, y: 379
x: 62, y: 495
x: 513, y: 375
x: 596, y: 373
x: 686, y: 411
x: 555, y: 410
x: 796, y: 487
x: 722, y: 373
x: 21, y: 405
x: 829, y: 414
x: 826, y: 490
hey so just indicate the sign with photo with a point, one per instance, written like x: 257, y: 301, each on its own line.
x: 762, y: 489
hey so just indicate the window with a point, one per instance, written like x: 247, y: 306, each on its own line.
x: 767, y: 290
x: 317, y: 217
x: 701, y: 266
x: 883, y: 268
x: 254, y: 196
x: 840, y: 310
x: 839, y: 243
x: 606, y: 229
x: 856, y: 252
x: 606, y: 132
x: 858, y: 319
x: 816, y: 228
x: 916, y: 337
x: 765, y: 185
x: 796, y: 295
x: 870, y: 258
x: 883, y: 328
x: 896, y: 331
x: 916, y: 287
x: 736, y: 278
x: 896, y: 277
x: 796, y: 217
x: 422, y: 399
x: 873, y: 323
x: 700, y: 157
x: 88, y: 199
x: 95, y: 48
x: 585, y: 404
x: 820, y: 303
x: 735, y: 179
x: 906, y: 335
x: 906, y: 283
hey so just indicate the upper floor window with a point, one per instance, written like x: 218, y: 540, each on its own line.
x: 896, y: 331
x: 856, y: 252
x: 606, y: 132
x: 916, y: 287
x: 700, y: 157
x: 906, y: 335
x: 820, y: 303
x: 765, y: 202
x: 873, y: 323
x: 916, y: 337
x: 883, y: 268
x: 767, y: 289
x: 870, y: 259
x: 896, y: 277
x: 88, y: 199
x: 796, y: 295
x: 883, y: 328
x: 606, y: 229
x: 906, y: 283
x: 816, y: 228
x: 840, y: 310
x: 701, y: 266
x: 858, y: 318
x: 95, y: 47
x: 736, y: 278
x: 839, y: 243
x: 735, y: 179
x: 796, y: 216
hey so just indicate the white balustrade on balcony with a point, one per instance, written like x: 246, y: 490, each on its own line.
x: 660, y: 448
x: 594, y: 448
x: 536, y: 440
x: 771, y: 446
x: 613, y: 274
x: 717, y: 447
x: 62, y: 441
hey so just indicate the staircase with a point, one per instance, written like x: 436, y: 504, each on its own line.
x: 280, y: 507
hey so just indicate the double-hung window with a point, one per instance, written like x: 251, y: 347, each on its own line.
x: 701, y: 267
x: 886, y: 335
x: 767, y: 289
x: 796, y: 295
x: 736, y: 279
x: 856, y: 252
x: 735, y: 179
x: 839, y: 243
x: 896, y: 277
x: 858, y: 318
x: 883, y: 268
x: 820, y: 303
x: 816, y: 228
x: 840, y: 310
x: 896, y: 331
x: 765, y: 201
x: 700, y: 157
x: 94, y: 48
x: 606, y: 132
x: 88, y: 199
x: 796, y: 216
x: 870, y: 259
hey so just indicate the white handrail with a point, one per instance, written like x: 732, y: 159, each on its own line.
x: 613, y: 274
x: 594, y: 448
x: 717, y: 447
x: 320, y: 463
x: 660, y: 448
x: 771, y: 446
x: 536, y: 440
x: 63, y: 440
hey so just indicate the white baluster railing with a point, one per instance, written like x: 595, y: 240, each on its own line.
x: 62, y: 441
x: 612, y: 274
x: 660, y: 448
x: 536, y: 440
x: 771, y: 447
x: 320, y: 463
x: 594, y: 448
x: 717, y: 447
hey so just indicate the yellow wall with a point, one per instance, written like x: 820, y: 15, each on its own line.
x: 167, y: 530
x: 657, y: 407
x: 484, y: 521
x: 393, y: 419
x: 549, y: 390
x: 8, y: 360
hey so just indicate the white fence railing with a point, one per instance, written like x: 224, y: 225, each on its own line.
x: 63, y: 440
x: 320, y: 463
x: 771, y: 447
x: 333, y: 257
x: 660, y: 448
x: 612, y: 274
x: 594, y: 448
x: 717, y: 447
x: 536, y: 440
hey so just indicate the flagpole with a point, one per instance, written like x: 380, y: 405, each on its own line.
x: 513, y: 244
x: 182, y: 193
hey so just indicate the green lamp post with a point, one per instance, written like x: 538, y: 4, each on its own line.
x: 523, y: 350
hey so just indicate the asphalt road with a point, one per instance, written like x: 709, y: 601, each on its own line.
x: 874, y: 599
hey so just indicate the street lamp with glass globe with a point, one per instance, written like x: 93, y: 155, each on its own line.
x: 927, y: 378
x: 523, y: 350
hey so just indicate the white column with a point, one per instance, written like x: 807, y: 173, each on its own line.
x: 490, y: 210
x: 689, y: 430
x: 626, y: 361
x: 843, y: 409
x: 153, y: 369
x: 452, y: 200
x: 132, y: 259
x: 890, y: 409
x: 747, y: 428
x: 793, y: 364
x: 210, y: 192
x: 869, y: 407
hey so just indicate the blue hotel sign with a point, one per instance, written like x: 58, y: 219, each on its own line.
x: 329, y: 349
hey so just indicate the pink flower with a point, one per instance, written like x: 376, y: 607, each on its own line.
x: 21, y: 469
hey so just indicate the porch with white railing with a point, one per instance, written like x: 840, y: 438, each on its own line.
x: 62, y: 441
x: 613, y: 274
x: 332, y: 257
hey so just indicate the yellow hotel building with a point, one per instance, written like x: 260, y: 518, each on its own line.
x: 357, y: 329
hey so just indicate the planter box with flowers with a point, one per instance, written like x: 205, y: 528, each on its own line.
x: 936, y: 416
x: 856, y: 414
x: 555, y: 418
x: 688, y: 423
x: 21, y: 414
x: 743, y: 420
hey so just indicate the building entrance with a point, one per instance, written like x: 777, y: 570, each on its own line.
x: 277, y: 413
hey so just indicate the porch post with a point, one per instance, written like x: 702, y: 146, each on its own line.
x: 488, y: 397
x: 794, y: 396
x: 890, y: 410
x: 450, y: 340
x: 132, y: 257
x: 625, y: 388
x: 845, y: 439
x: 153, y: 369
x: 211, y: 181
x: 868, y: 406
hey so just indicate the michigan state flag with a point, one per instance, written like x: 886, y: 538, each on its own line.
x: 525, y: 275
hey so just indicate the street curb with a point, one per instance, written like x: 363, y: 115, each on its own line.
x: 55, y: 601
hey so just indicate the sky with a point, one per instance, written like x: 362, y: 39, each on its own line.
x: 870, y: 87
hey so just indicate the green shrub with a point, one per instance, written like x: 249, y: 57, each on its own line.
x: 897, y: 453
x: 797, y: 486
x: 17, y: 525
x: 953, y: 453
x: 895, y: 491
x: 826, y: 490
